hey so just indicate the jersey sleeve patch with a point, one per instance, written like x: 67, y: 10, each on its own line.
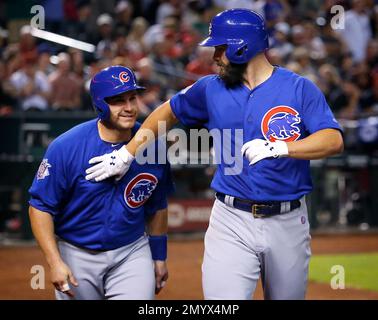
x: 43, y: 170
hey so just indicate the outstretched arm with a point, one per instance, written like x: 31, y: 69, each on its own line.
x: 118, y: 162
x: 162, y: 114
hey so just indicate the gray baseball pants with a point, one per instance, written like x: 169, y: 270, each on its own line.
x: 126, y: 273
x: 240, y: 248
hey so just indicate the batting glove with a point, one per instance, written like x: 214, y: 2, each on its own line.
x: 110, y: 164
x: 258, y: 149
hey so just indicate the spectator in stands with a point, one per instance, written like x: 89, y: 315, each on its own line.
x: 318, y: 53
x: 302, y: 56
x: 150, y: 99
x: 77, y: 60
x: 54, y: 15
x: 368, y: 97
x: 331, y: 85
x: 343, y: 95
x: 94, y: 66
x: 275, y: 11
x: 314, y: 43
x: 294, y: 66
x: 3, y: 39
x: 7, y: 102
x: 350, y: 100
x: 308, y: 9
x: 44, y: 63
x: 275, y: 57
x: 372, y: 53
x: 334, y: 46
x: 202, y: 25
x: 369, y: 102
x: 346, y: 65
x: 66, y: 86
x: 189, y: 45
x: 280, y: 39
x: 27, y: 45
x: 106, y: 50
x: 123, y: 19
x: 157, y: 31
x: 30, y: 86
x: 12, y: 59
x: 104, y: 28
x: 145, y: 72
x: 121, y: 45
x: 78, y: 15
x: 135, y: 37
x: 357, y: 32
x: 168, y: 8
x: 155, y: 92
x: 168, y: 70
x: 174, y: 49
x: 298, y: 35
x: 246, y: 4
x: 202, y: 65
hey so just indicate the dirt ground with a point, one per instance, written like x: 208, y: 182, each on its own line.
x: 185, y: 257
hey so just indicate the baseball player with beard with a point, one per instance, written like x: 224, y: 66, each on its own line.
x: 259, y: 224
x: 103, y: 240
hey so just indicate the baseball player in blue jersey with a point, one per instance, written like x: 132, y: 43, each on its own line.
x: 259, y: 224
x: 103, y: 240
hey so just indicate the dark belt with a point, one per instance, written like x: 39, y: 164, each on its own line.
x: 261, y: 209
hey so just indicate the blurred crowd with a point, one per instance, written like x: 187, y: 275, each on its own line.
x: 158, y: 39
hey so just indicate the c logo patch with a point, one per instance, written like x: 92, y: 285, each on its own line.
x: 281, y: 123
x: 139, y: 189
x: 124, y: 77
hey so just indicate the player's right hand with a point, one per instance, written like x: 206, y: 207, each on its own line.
x: 61, y: 276
x: 110, y: 164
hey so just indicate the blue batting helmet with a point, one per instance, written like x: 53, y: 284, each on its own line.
x: 110, y: 82
x: 242, y: 30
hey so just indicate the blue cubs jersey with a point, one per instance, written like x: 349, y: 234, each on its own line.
x: 96, y: 215
x: 285, y: 107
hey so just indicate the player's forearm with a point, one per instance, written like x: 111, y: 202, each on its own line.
x: 150, y: 129
x: 158, y: 223
x: 157, y: 228
x: 318, y: 145
x: 43, y: 229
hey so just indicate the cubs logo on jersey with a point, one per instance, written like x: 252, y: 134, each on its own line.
x: 281, y: 123
x: 139, y: 189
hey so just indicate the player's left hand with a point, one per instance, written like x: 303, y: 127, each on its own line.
x: 258, y: 149
x: 161, y: 275
x: 110, y: 164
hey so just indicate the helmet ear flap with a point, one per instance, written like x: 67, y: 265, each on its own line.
x: 237, y: 52
x: 102, y: 109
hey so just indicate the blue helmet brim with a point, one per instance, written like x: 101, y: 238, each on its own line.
x: 212, y: 42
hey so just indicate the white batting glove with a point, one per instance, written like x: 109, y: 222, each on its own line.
x: 258, y: 149
x: 110, y: 164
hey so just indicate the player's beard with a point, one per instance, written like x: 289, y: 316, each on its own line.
x: 232, y: 74
x: 116, y: 122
